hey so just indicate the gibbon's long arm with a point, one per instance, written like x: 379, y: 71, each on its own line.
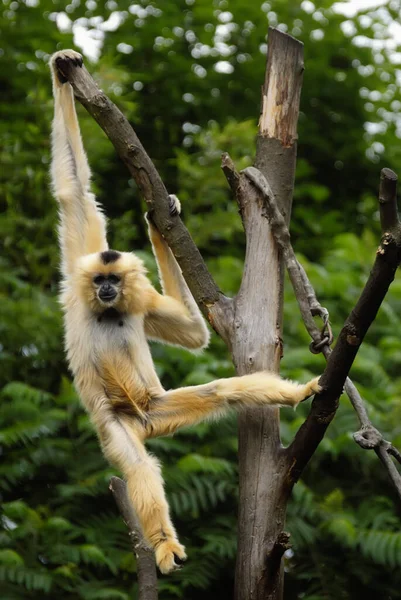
x: 173, y: 317
x: 83, y: 226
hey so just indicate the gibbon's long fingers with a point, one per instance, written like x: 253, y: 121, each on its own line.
x: 124, y: 449
x: 186, y: 406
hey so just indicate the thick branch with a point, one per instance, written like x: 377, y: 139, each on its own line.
x: 146, y: 566
x: 351, y: 336
x: 205, y: 291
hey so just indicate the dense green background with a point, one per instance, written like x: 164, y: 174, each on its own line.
x: 61, y: 536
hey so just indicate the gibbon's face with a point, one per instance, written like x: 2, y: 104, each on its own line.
x: 107, y: 287
x: 107, y: 281
x: 112, y: 279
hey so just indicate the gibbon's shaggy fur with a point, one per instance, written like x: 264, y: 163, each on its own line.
x: 111, y: 310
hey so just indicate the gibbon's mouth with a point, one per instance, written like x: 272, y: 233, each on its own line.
x: 107, y: 297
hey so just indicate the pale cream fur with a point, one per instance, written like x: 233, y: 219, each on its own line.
x: 110, y: 358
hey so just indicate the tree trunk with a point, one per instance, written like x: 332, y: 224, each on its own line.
x: 257, y: 341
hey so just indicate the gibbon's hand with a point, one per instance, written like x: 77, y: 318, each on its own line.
x: 59, y: 59
x: 174, y: 206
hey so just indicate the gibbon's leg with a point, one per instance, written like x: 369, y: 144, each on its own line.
x: 191, y: 332
x: 83, y: 228
x: 123, y: 448
x: 186, y: 406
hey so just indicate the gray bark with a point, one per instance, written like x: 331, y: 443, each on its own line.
x: 258, y: 327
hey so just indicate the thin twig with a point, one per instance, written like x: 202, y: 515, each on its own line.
x: 394, y: 475
x: 146, y: 565
x: 368, y: 437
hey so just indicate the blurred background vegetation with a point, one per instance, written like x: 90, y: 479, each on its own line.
x: 188, y: 75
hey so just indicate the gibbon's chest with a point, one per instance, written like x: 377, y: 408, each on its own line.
x: 123, y: 361
x: 118, y: 337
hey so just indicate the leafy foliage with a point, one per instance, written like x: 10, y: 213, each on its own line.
x: 188, y: 75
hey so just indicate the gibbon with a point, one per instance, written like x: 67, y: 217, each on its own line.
x: 110, y: 311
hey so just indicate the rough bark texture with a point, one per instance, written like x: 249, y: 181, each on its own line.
x: 146, y: 566
x: 257, y: 327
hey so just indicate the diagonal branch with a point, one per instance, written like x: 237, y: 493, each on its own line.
x: 368, y: 437
x: 146, y: 566
x: 216, y: 307
x: 352, y: 334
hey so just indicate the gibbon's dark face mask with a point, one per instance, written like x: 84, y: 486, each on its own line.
x: 107, y: 286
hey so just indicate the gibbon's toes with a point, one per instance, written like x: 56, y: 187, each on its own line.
x: 170, y: 556
x: 179, y: 561
x: 175, y: 205
x: 312, y: 388
x: 59, y: 59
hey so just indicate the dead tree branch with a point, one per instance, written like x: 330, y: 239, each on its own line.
x: 352, y: 334
x: 368, y: 437
x: 216, y: 307
x: 146, y: 566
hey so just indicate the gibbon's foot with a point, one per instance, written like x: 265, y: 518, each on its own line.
x: 312, y: 388
x: 170, y: 556
x: 62, y: 57
x: 174, y: 204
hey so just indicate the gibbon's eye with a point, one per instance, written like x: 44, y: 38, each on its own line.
x: 99, y: 279
x: 114, y: 278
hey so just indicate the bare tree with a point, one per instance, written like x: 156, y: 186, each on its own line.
x: 251, y: 323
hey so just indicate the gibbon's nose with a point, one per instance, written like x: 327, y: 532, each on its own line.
x: 107, y: 292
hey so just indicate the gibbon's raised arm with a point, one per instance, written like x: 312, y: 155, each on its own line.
x: 83, y: 226
x: 173, y: 317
